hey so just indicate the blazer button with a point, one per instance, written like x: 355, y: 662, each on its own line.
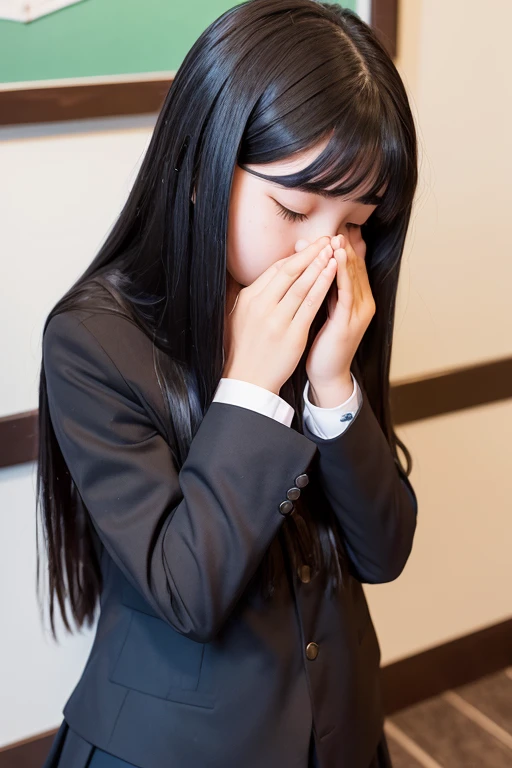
x: 293, y: 493
x: 285, y: 507
x: 312, y: 650
x: 301, y: 480
x: 304, y: 572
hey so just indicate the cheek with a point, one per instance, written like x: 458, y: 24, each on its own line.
x: 254, y: 244
x: 246, y: 261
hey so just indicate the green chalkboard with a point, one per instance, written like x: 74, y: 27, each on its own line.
x: 106, y: 37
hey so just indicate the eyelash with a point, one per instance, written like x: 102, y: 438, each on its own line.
x: 294, y: 216
x: 290, y: 215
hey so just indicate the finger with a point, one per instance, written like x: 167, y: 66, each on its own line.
x: 331, y: 300
x: 364, y: 281
x: 300, y: 289
x: 312, y: 301
x: 289, y: 272
x: 357, y: 241
x: 359, y: 250
x: 352, y: 260
x: 299, y: 261
x: 345, y: 284
x: 358, y: 292
x: 301, y: 244
x: 347, y: 279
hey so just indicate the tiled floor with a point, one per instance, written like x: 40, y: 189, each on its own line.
x: 467, y: 727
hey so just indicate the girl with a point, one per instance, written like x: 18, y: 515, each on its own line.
x: 218, y: 470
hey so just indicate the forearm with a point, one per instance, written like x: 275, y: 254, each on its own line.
x: 375, y: 507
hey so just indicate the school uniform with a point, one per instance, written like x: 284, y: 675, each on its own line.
x: 190, y: 666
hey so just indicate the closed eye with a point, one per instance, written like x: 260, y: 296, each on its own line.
x: 290, y: 215
x: 286, y: 213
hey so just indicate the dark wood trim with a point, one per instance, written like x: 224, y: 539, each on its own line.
x: 385, y: 23
x: 28, y: 753
x: 411, y: 401
x: 404, y: 683
x: 79, y: 102
x: 451, y: 391
x: 54, y: 103
x: 447, y: 666
x: 18, y: 438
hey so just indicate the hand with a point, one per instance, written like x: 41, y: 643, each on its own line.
x: 269, y: 325
x: 350, y: 307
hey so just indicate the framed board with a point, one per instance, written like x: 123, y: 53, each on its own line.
x: 100, y: 58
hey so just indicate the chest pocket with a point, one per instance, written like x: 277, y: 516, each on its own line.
x: 157, y: 660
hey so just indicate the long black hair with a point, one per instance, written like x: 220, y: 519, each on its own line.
x: 266, y: 79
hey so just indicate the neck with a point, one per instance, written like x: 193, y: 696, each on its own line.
x: 232, y: 290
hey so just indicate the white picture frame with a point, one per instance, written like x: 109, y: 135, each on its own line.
x: 29, y: 10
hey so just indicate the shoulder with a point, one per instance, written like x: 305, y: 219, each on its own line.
x: 100, y: 342
x: 72, y: 354
x: 98, y: 325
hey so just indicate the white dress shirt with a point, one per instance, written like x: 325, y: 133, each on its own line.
x: 324, y: 422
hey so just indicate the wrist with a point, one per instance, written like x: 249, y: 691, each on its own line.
x: 251, y: 379
x: 331, y: 394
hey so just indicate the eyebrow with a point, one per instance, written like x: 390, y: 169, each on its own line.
x: 368, y: 199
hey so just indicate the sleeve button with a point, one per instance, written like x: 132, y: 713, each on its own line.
x: 285, y: 507
x: 293, y: 493
x: 301, y: 480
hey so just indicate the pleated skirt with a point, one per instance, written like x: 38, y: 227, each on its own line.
x: 69, y: 750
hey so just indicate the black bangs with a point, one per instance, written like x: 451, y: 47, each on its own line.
x: 372, y: 163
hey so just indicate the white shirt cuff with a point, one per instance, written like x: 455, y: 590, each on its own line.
x: 331, y: 422
x: 248, y: 395
x: 324, y: 422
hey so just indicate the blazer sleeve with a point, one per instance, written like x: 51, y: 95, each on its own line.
x: 374, y: 503
x: 188, y: 541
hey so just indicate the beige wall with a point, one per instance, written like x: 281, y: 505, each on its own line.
x: 454, y: 309
x: 61, y: 187
x: 455, y: 58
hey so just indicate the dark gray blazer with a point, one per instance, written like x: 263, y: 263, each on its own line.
x: 189, y: 666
